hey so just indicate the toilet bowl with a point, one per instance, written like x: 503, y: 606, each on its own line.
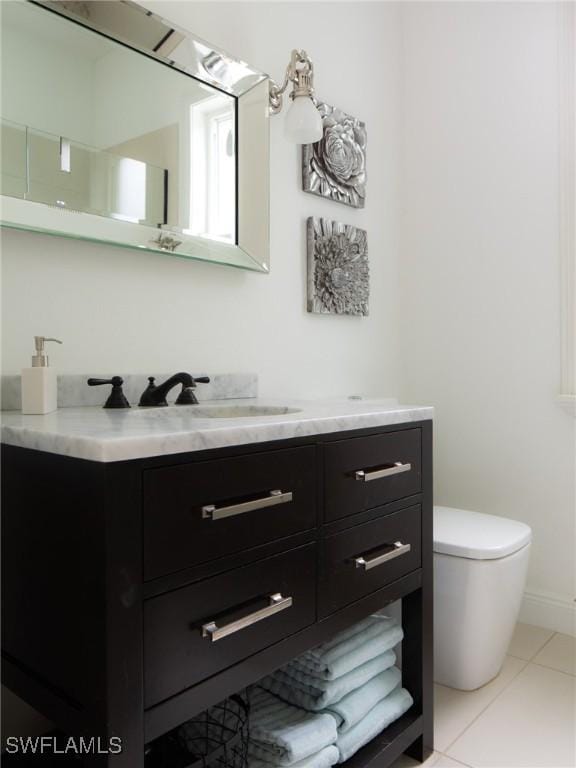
x: 480, y: 564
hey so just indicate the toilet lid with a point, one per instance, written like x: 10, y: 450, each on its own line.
x: 477, y: 536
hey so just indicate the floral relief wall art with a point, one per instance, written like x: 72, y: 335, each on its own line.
x: 338, y: 274
x: 335, y: 167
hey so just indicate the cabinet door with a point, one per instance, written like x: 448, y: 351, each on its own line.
x: 364, y: 558
x: 365, y: 472
x: 198, y: 512
x: 198, y: 630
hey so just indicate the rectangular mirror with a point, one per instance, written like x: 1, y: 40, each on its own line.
x: 118, y: 127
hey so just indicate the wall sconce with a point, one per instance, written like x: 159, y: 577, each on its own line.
x: 303, y: 123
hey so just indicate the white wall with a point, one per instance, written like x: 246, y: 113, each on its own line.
x: 480, y: 273
x: 125, y: 310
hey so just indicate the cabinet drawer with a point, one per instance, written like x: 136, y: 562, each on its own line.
x: 362, y: 559
x: 365, y: 472
x: 196, y: 631
x: 198, y: 512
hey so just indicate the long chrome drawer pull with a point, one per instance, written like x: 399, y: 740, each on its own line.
x: 211, y: 512
x: 396, y: 469
x: 277, y: 604
x: 397, y: 550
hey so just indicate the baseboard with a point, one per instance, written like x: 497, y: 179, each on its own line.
x: 551, y: 611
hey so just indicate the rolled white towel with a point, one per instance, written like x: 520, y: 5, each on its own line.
x: 284, y: 735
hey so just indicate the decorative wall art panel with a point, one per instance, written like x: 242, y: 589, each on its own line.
x: 338, y: 273
x: 335, y: 166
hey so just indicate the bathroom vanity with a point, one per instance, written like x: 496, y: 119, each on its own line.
x: 156, y: 561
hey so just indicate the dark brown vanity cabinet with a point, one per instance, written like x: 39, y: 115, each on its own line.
x: 138, y: 593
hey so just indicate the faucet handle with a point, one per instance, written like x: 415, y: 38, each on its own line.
x: 187, y: 396
x: 117, y: 399
x: 151, y: 385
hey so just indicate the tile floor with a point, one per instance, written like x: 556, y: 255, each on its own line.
x: 525, y: 718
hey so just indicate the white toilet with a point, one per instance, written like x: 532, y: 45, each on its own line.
x: 480, y: 564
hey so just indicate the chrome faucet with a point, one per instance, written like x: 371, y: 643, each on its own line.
x: 154, y: 396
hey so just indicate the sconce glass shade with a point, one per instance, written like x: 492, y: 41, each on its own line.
x: 303, y: 124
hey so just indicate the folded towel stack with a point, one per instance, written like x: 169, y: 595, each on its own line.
x: 284, y: 735
x: 352, y: 678
x: 313, y: 693
x: 381, y: 716
x: 351, y: 648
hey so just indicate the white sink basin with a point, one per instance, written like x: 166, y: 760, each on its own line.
x: 219, y: 411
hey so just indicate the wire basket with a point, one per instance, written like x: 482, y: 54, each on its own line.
x: 217, y: 738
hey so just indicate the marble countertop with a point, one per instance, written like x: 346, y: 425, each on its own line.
x: 96, y: 434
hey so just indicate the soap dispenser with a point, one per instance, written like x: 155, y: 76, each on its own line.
x: 39, y: 383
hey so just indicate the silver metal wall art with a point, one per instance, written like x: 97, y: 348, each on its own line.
x: 335, y: 167
x: 338, y: 273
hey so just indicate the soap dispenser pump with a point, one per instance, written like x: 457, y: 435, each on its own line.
x: 39, y: 383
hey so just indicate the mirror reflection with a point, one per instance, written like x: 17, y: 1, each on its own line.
x: 91, y: 125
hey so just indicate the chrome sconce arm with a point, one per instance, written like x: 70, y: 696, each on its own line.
x: 303, y: 122
x: 302, y: 77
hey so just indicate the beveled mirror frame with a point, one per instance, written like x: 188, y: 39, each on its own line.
x: 133, y: 26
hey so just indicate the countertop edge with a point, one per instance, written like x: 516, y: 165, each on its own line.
x: 118, y: 448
